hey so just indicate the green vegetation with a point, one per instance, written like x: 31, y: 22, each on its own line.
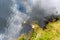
x: 52, y: 32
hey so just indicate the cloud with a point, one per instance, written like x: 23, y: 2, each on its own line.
x: 15, y: 21
x: 5, y: 8
x: 43, y: 8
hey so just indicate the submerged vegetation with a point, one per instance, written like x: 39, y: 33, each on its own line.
x: 51, y: 32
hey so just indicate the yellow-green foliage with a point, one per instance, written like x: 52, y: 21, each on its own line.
x: 22, y: 37
x: 52, y: 32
